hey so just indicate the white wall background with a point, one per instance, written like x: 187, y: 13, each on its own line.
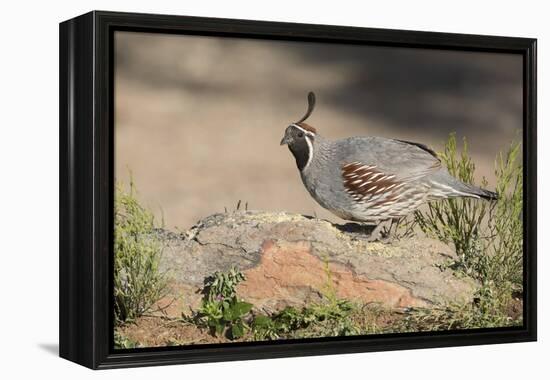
x: 29, y: 191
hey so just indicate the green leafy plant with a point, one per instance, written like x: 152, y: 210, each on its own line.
x: 138, y: 284
x: 221, y: 309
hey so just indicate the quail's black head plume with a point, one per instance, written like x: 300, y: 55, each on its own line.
x: 310, y: 106
x: 371, y: 179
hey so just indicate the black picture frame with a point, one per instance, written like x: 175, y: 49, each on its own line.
x: 87, y: 186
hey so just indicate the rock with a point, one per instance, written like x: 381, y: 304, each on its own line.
x: 292, y: 260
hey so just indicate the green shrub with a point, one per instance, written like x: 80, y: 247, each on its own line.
x: 505, y: 262
x: 457, y: 220
x: 138, y: 284
x: 488, y: 236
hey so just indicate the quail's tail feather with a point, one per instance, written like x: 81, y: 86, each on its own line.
x: 455, y: 188
x: 482, y: 193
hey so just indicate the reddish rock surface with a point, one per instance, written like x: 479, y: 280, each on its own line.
x: 289, y: 274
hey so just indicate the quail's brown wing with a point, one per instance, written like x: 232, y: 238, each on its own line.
x: 363, y: 181
x: 376, y: 166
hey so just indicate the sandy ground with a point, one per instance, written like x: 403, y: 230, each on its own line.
x: 199, y: 119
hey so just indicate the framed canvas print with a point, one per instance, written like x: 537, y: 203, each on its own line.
x: 238, y: 189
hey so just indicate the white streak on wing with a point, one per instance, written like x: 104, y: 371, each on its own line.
x: 365, y: 183
x: 366, y: 167
x: 351, y: 164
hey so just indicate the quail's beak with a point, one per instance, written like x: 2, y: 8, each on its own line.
x: 287, y: 139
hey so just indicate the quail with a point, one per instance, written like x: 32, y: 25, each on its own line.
x: 371, y: 179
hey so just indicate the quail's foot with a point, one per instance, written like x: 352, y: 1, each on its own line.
x: 381, y: 232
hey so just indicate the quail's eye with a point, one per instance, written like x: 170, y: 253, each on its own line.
x: 300, y: 134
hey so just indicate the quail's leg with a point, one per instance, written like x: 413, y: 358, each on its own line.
x: 375, y: 233
x: 381, y: 231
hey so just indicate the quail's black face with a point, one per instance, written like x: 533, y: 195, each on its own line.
x: 293, y: 135
x: 300, y: 143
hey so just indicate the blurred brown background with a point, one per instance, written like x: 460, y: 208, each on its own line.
x: 198, y: 120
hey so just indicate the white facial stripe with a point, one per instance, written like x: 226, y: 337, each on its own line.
x: 308, y: 133
x: 309, y: 153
